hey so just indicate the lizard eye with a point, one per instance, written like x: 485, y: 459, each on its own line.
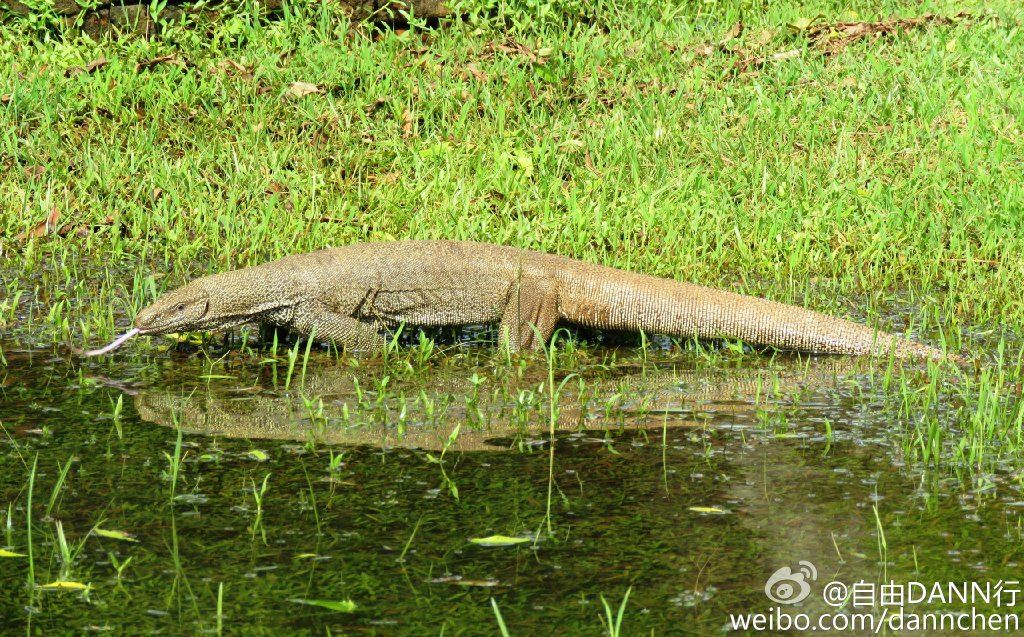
x: 181, y: 307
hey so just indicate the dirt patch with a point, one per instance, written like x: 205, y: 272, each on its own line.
x: 825, y: 39
x: 832, y: 38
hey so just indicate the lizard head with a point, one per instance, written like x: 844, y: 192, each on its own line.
x: 180, y: 310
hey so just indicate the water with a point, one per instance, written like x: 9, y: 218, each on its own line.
x: 687, y: 480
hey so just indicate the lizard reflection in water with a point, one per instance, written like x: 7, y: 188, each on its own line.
x: 648, y: 400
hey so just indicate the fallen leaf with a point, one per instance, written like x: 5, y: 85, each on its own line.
x: 785, y: 55
x: 440, y: 149
x: 747, y: 64
x: 234, y: 68
x: 499, y: 540
x: 6, y: 553
x: 384, y: 178
x: 91, y: 67
x: 341, y: 606
x: 762, y: 37
x: 524, y: 162
x: 407, y: 123
x: 145, y: 65
x: 733, y: 33
x: 64, y: 585
x: 43, y: 228
x: 512, y: 47
x: 477, y: 73
x: 458, y: 580
x: 375, y: 105
x: 298, y: 90
x: 479, y: 583
x: 801, y: 24
x: 705, y: 50
x: 709, y: 510
x: 5, y: 98
x: 83, y: 231
x: 115, y: 535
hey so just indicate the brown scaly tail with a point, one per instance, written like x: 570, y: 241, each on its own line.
x: 630, y: 301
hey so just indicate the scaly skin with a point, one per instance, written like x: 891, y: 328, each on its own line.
x: 353, y: 295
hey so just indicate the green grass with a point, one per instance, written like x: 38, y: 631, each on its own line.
x: 883, y: 182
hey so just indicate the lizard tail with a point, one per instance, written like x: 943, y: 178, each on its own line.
x: 611, y: 299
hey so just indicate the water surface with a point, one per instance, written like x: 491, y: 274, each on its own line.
x: 688, y: 479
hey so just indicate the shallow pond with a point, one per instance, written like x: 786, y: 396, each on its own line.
x: 234, y: 495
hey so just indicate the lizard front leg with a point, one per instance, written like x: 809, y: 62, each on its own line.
x: 318, y: 321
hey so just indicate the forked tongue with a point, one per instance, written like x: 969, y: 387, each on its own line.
x: 117, y: 342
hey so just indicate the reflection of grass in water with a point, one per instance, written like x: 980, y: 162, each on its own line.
x: 883, y: 544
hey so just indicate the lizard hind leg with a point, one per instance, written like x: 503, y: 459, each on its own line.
x: 530, y: 313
